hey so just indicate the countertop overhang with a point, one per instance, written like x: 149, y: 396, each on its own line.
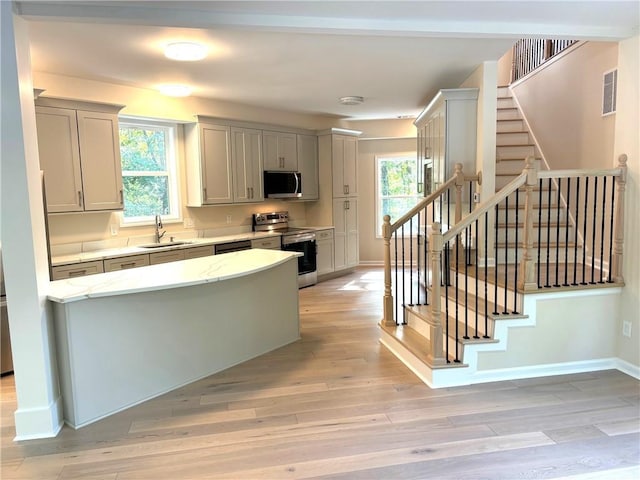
x: 178, y: 274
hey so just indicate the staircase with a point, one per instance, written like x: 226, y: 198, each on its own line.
x: 470, y: 302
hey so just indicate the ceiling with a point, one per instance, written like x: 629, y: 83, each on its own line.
x: 302, y: 56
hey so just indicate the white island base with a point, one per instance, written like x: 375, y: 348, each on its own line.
x: 116, y: 348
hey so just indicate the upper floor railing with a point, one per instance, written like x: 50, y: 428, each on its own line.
x: 530, y: 53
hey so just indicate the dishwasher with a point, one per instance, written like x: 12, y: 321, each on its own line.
x: 231, y: 247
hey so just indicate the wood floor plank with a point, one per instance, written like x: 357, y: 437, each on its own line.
x: 336, y: 404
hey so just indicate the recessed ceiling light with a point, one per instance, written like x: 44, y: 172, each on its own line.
x: 185, y: 51
x: 175, y: 90
x: 351, y: 100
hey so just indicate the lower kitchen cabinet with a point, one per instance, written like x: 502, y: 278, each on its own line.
x: 272, y: 243
x: 197, y: 252
x: 122, y: 263
x: 345, y: 219
x: 166, y: 257
x: 325, y: 257
x: 76, y: 270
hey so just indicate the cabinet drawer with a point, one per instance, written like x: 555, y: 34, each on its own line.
x: 272, y: 243
x: 324, y: 234
x: 77, y: 270
x: 165, y: 257
x: 197, y: 252
x: 122, y: 263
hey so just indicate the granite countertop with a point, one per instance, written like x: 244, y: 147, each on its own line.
x: 184, y: 273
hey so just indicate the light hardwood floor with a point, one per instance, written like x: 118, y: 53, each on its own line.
x: 337, y: 405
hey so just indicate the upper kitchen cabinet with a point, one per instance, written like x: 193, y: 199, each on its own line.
x: 280, y: 151
x: 447, y: 135
x: 246, y: 149
x: 208, y: 156
x: 344, y: 158
x: 308, y: 165
x: 79, y: 150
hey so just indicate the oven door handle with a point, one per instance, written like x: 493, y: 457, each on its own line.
x: 309, y: 237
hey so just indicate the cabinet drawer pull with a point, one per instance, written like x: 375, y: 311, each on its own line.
x: 77, y: 273
x: 128, y: 265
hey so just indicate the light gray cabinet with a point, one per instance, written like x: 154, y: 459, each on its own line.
x: 308, y: 165
x: 246, y: 151
x: 271, y: 243
x: 345, y: 221
x: 325, y: 258
x: 166, y: 257
x: 123, y: 263
x: 79, y: 150
x: 344, y: 157
x: 208, y: 159
x: 76, y: 270
x: 280, y: 152
x: 197, y: 252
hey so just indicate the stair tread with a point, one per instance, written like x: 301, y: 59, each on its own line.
x: 416, y: 344
x: 516, y: 144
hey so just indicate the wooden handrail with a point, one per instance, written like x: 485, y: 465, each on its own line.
x: 573, y: 173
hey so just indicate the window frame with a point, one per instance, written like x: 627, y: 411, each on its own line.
x: 411, y: 156
x: 172, y: 171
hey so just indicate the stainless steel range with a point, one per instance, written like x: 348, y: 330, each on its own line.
x: 301, y: 240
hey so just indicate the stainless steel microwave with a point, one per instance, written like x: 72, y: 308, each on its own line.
x: 282, y: 184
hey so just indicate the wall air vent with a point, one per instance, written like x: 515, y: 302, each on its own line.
x: 609, y: 90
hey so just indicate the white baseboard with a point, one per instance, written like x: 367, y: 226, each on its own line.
x: 628, y: 368
x: 34, y: 423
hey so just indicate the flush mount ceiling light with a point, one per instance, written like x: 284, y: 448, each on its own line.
x: 175, y: 90
x: 351, y: 100
x: 185, y: 51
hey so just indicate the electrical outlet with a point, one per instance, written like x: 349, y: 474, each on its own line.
x: 114, y: 229
x: 188, y: 223
x: 626, y: 328
x: 228, y: 218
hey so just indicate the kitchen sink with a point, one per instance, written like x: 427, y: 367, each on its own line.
x: 161, y: 245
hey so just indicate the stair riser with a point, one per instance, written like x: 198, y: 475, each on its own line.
x: 547, y: 199
x: 491, y: 295
x: 509, y: 114
x: 520, y: 151
x: 552, y: 233
x: 553, y: 257
x: 512, y: 138
x: 422, y: 327
x: 511, y: 215
x: 514, y: 167
x: 510, y: 126
x: 506, y: 102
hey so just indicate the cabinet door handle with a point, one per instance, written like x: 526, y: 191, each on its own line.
x: 121, y: 197
x: 251, y: 191
x: 204, y: 192
x: 344, y: 189
x: 346, y: 204
x: 347, y: 189
x: 79, y: 198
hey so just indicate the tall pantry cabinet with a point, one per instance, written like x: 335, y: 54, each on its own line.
x: 338, y: 204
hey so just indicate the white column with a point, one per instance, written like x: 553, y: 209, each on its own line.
x: 24, y: 249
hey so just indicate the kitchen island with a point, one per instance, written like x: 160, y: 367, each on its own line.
x: 128, y: 336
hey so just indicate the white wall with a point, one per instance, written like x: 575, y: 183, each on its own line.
x: 24, y: 249
x: 627, y: 141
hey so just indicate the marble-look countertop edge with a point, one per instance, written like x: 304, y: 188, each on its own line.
x: 183, y: 273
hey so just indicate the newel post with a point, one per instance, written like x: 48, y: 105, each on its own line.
x: 436, y: 354
x: 387, y: 305
x: 618, y: 222
x: 527, y: 265
x: 459, y: 175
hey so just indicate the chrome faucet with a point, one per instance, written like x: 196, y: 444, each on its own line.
x: 159, y: 235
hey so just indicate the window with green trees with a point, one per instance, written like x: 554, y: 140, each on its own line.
x: 396, y: 186
x: 149, y: 178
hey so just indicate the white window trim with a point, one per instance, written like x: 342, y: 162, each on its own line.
x: 377, y: 199
x: 172, y: 171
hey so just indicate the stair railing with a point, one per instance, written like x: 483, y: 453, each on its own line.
x: 568, y: 205
x: 407, y: 276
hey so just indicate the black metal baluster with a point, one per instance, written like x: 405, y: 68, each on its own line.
x: 495, y: 275
x: 602, y: 227
x: 539, y: 230
x: 566, y: 234
x: 411, y: 262
x: 593, y: 232
x: 466, y: 290
x: 557, y: 284
x: 468, y: 250
x: 486, y: 270
x: 446, y: 309
x: 613, y: 201
x: 477, y: 273
x: 457, y: 260
x: 547, y: 285
x: 515, y: 276
x: 506, y: 253
x: 404, y: 274
x: 584, y: 233
x: 575, y: 234
x: 395, y: 239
